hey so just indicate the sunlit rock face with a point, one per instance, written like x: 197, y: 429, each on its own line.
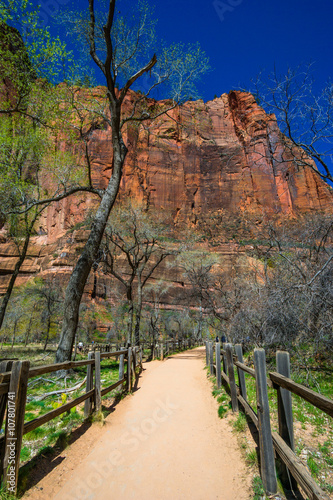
x: 199, y: 158
x: 226, y: 154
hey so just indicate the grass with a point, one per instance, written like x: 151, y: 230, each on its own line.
x: 240, y: 424
x: 326, y: 450
x: 313, y: 466
x: 222, y: 397
x: 6, y: 496
x: 251, y: 458
x: 222, y: 410
x: 258, y: 488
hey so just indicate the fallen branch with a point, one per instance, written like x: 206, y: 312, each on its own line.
x: 61, y: 391
x: 41, y: 359
x: 34, y: 382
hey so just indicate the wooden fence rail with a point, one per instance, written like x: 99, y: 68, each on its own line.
x: 14, y: 377
x: 292, y: 471
x: 158, y: 348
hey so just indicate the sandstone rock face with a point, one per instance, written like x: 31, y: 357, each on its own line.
x: 202, y: 157
x: 199, y: 158
x: 225, y: 154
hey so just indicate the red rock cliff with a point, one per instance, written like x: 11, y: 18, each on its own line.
x: 201, y: 157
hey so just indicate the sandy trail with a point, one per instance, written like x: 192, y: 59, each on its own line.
x: 163, y: 442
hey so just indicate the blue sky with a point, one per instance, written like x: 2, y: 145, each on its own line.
x: 253, y: 35
x: 241, y: 37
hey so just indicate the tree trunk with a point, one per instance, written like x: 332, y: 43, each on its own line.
x: 11, y: 284
x: 47, y: 332
x: 82, y: 269
x: 130, y: 315
x: 138, y: 314
x: 130, y: 323
x: 14, y: 333
x: 28, y: 331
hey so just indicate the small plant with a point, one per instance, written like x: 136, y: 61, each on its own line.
x: 37, y: 433
x: 313, y: 465
x: 46, y: 450
x: 216, y: 392
x: 98, y: 417
x: 240, y: 424
x: 222, y: 411
x: 25, y: 454
x: 258, y: 489
x: 325, y: 449
x: 5, y: 495
x: 252, y: 458
x: 62, y: 440
x: 223, y: 398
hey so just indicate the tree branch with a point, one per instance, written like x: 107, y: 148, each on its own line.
x: 137, y: 75
x: 60, y: 197
x: 92, y: 25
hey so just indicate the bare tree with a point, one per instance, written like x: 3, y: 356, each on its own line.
x: 119, y: 50
x: 134, y: 250
x: 48, y: 295
x: 290, y: 302
x: 305, y: 118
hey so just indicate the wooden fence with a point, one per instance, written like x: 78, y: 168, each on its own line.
x: 293, y: 472
x: 162, y: 349
x: 14, y: 376
x: 158, y: 349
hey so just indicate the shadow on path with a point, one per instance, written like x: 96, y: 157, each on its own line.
x: 47, y: 460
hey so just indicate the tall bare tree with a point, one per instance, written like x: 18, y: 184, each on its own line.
x: 120, y: 51
x: 305, y: 117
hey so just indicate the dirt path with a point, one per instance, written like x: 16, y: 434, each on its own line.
x: 163, y: 442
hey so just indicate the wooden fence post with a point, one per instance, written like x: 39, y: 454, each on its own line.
x: 285, y: 417
x: 89, y: 386
x: 134, y: 357
x: 241, y: 374
x: 5, y: 366
x: 218, y: 364
x: 211, y: 358
x: 224, y: 357
x: 141, y: 356
x: 267, y: 462
x: 162, y: 353
x: 231, y: 375
x: 129, y: 370
x: 121, y: 365
x: 98, y: 398
x: 207, y: 353
x: 17, y: 397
